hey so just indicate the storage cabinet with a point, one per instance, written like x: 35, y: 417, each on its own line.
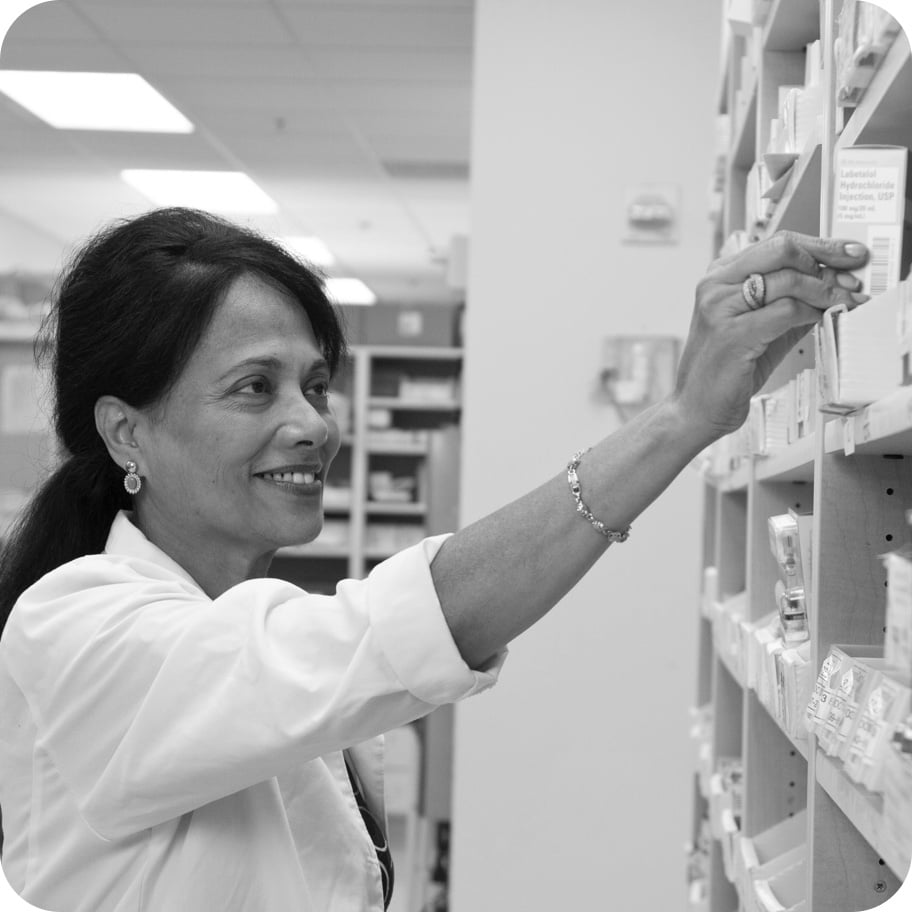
x: 778, y: 824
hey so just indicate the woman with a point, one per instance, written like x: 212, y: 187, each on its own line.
x: 179, y: 732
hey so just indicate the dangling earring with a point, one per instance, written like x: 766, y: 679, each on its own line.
x: 132, y: 481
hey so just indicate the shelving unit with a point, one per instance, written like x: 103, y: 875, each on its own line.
x: 395, y: 426
x: 855, y: 473
x: 402, y: 409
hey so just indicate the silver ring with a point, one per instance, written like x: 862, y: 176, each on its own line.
x: 753, y: 290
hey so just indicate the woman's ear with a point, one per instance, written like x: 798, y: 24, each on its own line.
x: 116, y: 423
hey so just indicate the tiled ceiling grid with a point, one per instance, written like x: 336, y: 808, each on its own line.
x: 353, y: 116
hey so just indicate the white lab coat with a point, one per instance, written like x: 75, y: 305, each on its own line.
x: 161, y: 751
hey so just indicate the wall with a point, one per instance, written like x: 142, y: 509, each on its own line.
x: 573, y: 777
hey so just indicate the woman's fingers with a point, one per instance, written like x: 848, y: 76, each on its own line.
x: 832, y: 287
x: 789, y: 250
x: 776, y: 319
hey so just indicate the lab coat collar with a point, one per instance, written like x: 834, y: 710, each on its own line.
x: 127, y: 540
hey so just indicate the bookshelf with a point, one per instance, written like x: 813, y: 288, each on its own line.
x: 854, y: 473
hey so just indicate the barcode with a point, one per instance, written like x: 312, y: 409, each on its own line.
x: 881, y: 258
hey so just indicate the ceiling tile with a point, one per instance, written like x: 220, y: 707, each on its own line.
x: 69, y: 205
x: 257, y: 126
x: 151, y: 150
x: 417, y: 151
x: 419, y: 27
x: 69, y: 56
x: 51, y: 21
x: 374, y: 5
x: 234, y: 61
x: 448, y: 99
x: 399, y: 64
x: 431, y: 122
x: 271, y: 94
x: 187, y: 23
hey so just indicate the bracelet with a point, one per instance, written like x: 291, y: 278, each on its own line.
x: 582, y: 509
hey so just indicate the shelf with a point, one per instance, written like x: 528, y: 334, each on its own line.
x: 398, y: 449
x: 378, y: 554
x: 745, y: 138
x: 864, y: 810
x: 734, y: 481
x: 414, y: 352
x: 882, y: 428
x: 800, y: 745
x: 793, y: 463
x: 791, y: 25
x: 799, y: 208
x: 18, y: 332
x: 725, y: 67
x: 392, y: 402
x: 883, y: 114
x: 314, y: 551
x: 728, y: 664
x: 392, y: 508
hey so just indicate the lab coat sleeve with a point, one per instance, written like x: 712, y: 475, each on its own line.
x: 153, y: 699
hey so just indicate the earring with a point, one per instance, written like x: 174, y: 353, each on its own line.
x: 132, y: 481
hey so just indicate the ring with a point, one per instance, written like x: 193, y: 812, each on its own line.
x: 753, y: 290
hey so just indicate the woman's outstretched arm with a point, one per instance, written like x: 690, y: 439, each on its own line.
x: 500, y: 575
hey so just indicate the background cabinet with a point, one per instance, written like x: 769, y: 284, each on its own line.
x: 395, y: 480
x: 765, y: 792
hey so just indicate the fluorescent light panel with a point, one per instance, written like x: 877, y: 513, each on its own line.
x: 94, y: 101
x: 216, y: 191
x: 311, y: 249
x: 349, y: 291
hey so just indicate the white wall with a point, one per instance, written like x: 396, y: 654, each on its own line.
x: 573, y: 777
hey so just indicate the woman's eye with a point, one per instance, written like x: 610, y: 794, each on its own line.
x: 256, y: 387
x: 320, y: 390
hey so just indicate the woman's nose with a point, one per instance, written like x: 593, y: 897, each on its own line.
x: 303, y: 424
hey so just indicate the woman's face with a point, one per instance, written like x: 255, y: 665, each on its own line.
x: 235, y: 457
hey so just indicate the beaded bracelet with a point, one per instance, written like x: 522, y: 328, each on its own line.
x: 582, y: 509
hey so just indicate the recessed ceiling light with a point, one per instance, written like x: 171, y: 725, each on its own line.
x: 217, y: 191
x: 349, y: 291
x: 94, y: 101
x: 311, y: 249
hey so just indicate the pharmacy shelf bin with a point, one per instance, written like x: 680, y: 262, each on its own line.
x: 882, y: 115
x: 799, y: 207
x: 846, y: 873
x: 791, y: 25
x: 882, y: 428
x: 862, y: 808
x: 775, y: 773
x: 791, y: 463
x: 858, y: 515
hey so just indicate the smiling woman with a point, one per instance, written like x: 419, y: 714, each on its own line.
x: 178, y: 730
x: 244, y: 436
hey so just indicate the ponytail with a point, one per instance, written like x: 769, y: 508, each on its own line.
x: 70, y: 515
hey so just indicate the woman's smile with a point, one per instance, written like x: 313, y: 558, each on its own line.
x: 300, y: 481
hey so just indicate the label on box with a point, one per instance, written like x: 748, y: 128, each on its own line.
x: 848, y: 435
x: 867, y: 192
x: 818, y: 706
x: 898, y: 644
x: 869, y: 206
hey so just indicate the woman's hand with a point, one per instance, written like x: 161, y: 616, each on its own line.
x: 733, y: 346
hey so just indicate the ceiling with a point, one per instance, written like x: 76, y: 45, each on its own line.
x: 353, y: 116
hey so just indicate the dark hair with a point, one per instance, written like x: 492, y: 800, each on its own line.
x: 128, y: 312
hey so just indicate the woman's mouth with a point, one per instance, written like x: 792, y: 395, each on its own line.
x: 297, y: 478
